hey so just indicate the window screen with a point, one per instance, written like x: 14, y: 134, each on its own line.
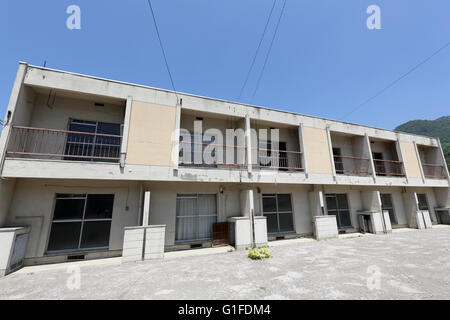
x: 81, y: 222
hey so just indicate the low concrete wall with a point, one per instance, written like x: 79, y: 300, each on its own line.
x: 133, y: 244
x: 154, y: 242
x: 12, y: 253
x: 325, y: 227
x: 143, y: 243
x: 260, y: 231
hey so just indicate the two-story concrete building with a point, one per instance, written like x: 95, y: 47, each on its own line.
x: 83, y: 158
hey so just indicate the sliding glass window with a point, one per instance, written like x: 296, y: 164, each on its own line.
x: 81, y: 222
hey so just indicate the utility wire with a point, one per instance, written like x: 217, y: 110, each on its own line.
x: 268, y: 52
x: 396, y: 80
x: 162, y: 47
x: 257, y: 50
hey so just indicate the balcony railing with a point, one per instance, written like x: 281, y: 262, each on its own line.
x: 55, y: 144
x: 350, y: 165
x: 434, y: 171
x: 391, y: 168
x: 278, y: 159
x: 194, y: 154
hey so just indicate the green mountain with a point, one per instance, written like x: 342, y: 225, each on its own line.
x: 439, y: 128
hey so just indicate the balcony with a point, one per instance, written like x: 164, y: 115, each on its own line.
x: 350, y: 165
x: 41, y: 143
x: 282, y: 160
x: 211, y: 155
x: 389, y: 168
x: 350, y: 154
x: 433, y: 164
x: 434, y: 171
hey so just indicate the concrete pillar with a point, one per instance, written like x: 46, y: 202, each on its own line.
x: 400, y: 157
x: 443, y: 161
x: 330, y: 147
x: 146, y: 209
x: 302, y: 148
x: 419, y: 161
x: 126, y: 127
x: 372, y: 165
x: 248, y: 141
x: 10, y: 111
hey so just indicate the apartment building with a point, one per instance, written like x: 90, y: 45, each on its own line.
x: 94, y: 168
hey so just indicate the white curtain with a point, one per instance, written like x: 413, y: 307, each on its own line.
x: 195, y: 216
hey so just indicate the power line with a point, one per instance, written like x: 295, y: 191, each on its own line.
x: 397, y: 80
x: 162, y: 47
x: 268, y: 52
x: 257, y: 50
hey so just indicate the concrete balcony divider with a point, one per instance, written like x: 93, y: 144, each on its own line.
x: 325, y: 227
x: 143, y: 243
x: 13, y: 244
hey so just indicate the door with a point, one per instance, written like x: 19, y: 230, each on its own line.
x: 378, y: 162
x: 337, y: 205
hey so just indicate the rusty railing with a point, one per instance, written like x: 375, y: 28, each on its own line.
x: 434, y: 171
x: 388, y: 168
x: 41, y: 143
x: 350, y: 165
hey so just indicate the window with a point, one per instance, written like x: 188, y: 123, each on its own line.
x: 387, y: 205
x: 337, y: 205
x: 423, y: 202
x: 91, y: 147
x: 277, y: 208
x: 196, y: 213
x: 338, y: 163
x: 81, y: 222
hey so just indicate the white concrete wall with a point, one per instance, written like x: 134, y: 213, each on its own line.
x: 6, y: 194
x: 33, y: 203
x: 58, y: 114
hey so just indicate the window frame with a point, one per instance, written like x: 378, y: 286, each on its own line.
x: 94, y: 145
x: 338, y: 210
x: 84, y: 196
x: 194, y: 196
x: 277, y: 212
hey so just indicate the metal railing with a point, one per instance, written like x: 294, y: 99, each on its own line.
x: 434, y: 171
x: 41, y: 143
x: 192, y: 154
x: 350, y: 165
x: 388, y: 168
x: 278, y: 159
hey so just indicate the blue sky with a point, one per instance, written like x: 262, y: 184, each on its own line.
x: 324, y: 61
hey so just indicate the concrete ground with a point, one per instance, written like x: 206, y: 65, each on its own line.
x: 407, y: 264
